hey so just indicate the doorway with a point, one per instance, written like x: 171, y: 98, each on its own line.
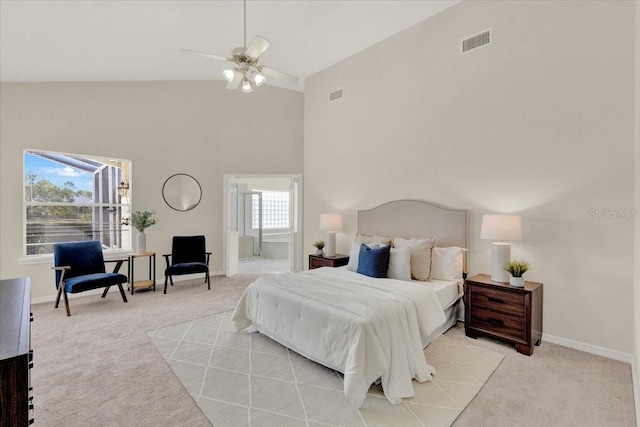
x: 261, y: 225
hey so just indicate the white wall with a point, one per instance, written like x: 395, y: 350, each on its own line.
x: 197, y: 128
x: 636, y: 256
x: 540, y: 123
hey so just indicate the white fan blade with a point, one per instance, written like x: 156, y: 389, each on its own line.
x: 257, y: 47
x: 279, y: 75
x: 235, y: 83
x: 206, y: 55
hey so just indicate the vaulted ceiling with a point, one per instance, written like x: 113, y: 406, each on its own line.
x: 115, y: 40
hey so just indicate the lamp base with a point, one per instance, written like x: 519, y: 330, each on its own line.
x: 500, y: 256
x: 330, y: 248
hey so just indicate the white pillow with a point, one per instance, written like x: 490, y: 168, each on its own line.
x: 400, y: 263
x: 447, y: 263
x: 354, y: 254
x: 365, y: 238
x: 420, y: 256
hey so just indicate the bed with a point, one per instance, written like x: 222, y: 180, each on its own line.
x: 367, y: 328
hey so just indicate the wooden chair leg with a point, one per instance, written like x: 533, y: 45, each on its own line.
x: 66, y: 302
x: 58, y: 297
x: 171, y: 280
x: 124, y: 297
x: 104, y: 294
x: 208, y: 281
x: 165, y: 284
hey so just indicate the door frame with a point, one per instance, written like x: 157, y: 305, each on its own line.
x: 295, y: 252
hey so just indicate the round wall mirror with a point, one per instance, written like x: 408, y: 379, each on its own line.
x: 181, y: 192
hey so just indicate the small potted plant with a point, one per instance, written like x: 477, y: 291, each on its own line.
x: 517, y: 268
x: 319, y: 245
x: 141, y: 221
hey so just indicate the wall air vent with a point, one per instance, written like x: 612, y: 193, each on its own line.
x: 481, y: 39
x: 335, y: 95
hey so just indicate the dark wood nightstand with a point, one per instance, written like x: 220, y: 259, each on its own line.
x: 316, y: 261
x: 504, y: 312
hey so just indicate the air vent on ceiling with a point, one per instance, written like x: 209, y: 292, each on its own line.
x: 475, y: 41
x: 335, y: 95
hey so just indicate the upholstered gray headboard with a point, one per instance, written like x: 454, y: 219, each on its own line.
x: 414, y: 218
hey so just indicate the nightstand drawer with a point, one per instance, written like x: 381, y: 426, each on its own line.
x: 321, y: 262
x: 498, y: 323
x: 498, y: 300
x: 317, y: 261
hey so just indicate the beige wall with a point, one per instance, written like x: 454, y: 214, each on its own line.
x: 197, y: 128
x: 636, y: 256
x: 539, y: 123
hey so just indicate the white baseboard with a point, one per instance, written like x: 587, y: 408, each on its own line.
x: 159, y: 283
x: 589, y: 348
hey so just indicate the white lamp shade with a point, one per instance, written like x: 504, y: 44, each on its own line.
x: 501, y: 227
x: 258, y: 79
x: 246, y: 86
x: 330, y: 222
x: 228, y: 74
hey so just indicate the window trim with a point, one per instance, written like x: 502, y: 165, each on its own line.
x: 125, y: 167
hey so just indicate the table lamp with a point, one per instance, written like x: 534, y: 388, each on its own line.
x: 500, y: 228
x: 330, y: 222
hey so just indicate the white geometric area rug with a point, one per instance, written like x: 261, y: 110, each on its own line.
x: 241, y: 379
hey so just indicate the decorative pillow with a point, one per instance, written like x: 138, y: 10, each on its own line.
x: 365, y: 238
x: 420, y: 256
x: 355, y: 252
x: 447, y: 263
x: 373, y: 262
x: 400, y: 263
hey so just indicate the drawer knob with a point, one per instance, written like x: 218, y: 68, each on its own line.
x: 494, y: 299
x: 494, y: 321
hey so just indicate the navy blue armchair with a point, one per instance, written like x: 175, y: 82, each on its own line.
x: 188, y: 256
x: 80, y: 267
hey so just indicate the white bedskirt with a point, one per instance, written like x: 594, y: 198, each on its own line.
x: 363, y: 327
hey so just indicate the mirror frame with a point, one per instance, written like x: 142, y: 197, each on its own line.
x: 193, y: 206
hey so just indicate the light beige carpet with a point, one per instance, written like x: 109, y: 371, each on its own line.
x: 99, y: 367
x: 241, y: 379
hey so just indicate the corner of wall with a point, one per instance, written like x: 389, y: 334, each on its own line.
x: 635, y: 365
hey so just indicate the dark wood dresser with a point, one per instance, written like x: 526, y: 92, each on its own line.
x: 504, y: 312
x: 317, y: 261
x: 16, y: 356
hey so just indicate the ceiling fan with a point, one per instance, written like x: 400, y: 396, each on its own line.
x: 246, y: 71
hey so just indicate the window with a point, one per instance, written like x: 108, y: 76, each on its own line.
x: 69, y: 197
x: 275, y: 210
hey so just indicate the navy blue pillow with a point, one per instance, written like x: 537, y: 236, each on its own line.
x: 373, y: 262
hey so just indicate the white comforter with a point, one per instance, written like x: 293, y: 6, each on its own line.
x: 363, y: 327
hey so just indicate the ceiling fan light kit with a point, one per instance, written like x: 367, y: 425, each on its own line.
x: 228, y: 74
x: 246, y: 86
x: 247, y: 73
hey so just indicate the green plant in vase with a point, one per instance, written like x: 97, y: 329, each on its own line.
x: 517, y: 268
x: 141, y: 220
x: 319, y: 245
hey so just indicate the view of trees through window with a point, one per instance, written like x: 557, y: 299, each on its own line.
x: 70, y: 197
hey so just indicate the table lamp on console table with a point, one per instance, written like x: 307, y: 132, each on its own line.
x: 500, y: 228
